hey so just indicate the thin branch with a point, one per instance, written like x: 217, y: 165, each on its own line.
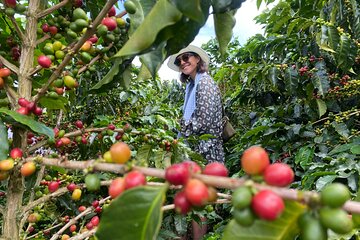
x: 52, y: 9
x: 77, y: 133
x: 43, y: 39
x: 219, y: 182
x: 44, y: 199
x: 42, y: 231
x: 12, y: 95
x: 35, y: 70
x: 9, y: 65
x: 83, y: 68
x: 58, y: 192
x: 17, y: 28
x: 121, y: 14
x: 89, y: 32
x: 74, y: 220
x: 84, y: 235
x: 32, y: 195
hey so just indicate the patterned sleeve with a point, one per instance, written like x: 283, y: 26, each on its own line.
x: 207, y: 115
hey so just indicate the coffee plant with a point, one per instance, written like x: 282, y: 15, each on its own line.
x: 88, y: 140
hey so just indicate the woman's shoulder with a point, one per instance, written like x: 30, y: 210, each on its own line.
x: 206, y: 79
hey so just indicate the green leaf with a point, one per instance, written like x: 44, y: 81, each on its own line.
x: 341, y: 128
x: 283, y: 228
x: 143, y: 154
x: 224, y: 23
x: 333, y: 37
x: 162, y: 15
x: 304, y: 156
x: 342, y: 148
x: 255, y: 131
x: 355, y: 149
x: 321, y: 107
x: 190, y: 8
x: 135, y: 214
x: 320, y: 78
x: 50, y: 103
x: 154, y: 59
x: 110, y: 75
x: 346, y: 53
x: 29, y: 122
x: 4, y: 146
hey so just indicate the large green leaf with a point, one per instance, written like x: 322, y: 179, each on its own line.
x: 50, y: 103
x: 346, y: 53
x: 136, y: 214
x: 224, y: 23
x: 143, y: 154
x: 153, y: 59
x: 283, y: 228
x: 304, y: 156
x: 341, y: 128
x: 162, y: 15
x: 29, y: 122
x: 321, y: 107
x: 320, y: 78
x: 191, y: 9
x: 110, y: 75
x: 4, y: 146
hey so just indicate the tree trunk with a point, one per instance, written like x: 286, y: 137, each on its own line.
x: 15, y: 189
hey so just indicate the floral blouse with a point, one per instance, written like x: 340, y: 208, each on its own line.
x: 206, y: 119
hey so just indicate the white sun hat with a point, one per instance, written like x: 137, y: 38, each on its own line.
x: 191, y: 48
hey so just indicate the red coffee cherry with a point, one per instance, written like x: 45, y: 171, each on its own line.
x: 267, y: 205
x: 279, y: 174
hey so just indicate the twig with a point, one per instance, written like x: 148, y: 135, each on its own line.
x: 41, y: 232
x: 17, y: 28
x: 52, y: 9
x: 35, y: 70
x: 58, y: 192
x: 90, y: 31
x: 84, y: 235
x: 44, y: 38
x: 12, y: 95
x: 32, y: 194
x: 219, y: 182
x: 121, y: 14
x: 83, y: 68
x: 9, y: 65
x: 74, y: 220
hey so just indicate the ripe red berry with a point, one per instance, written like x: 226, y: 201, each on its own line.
x: 72, y: 228
x: 196, y: 192
x: 23, y: 102
x: 71, y: 187
x: 16, y: 153
x: 79, y: 124
x: 134, y: 179
x: 267, y: 205
x: 177, y: 174
x: 182, y: 205
x: 44, y: 61
x: 89, y: 226
x: 112, y: 11
x: 192, y: 166
x: 95, y: 220
x: 279, y: 174
x: 53, y: 186
x: 116, y: 187
x: 254, y: 160
x: 45, y: 27
x: 98, y: 209
x: 216, y: 169
x: 95, y: 203
x: 53, y: 30
x: 37, y: 111
x: 23, y: 111
x: 111, y: 127
x: 110, y: 23
x: 82, y: 208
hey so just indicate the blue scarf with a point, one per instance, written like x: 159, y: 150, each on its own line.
x: 190, y: 96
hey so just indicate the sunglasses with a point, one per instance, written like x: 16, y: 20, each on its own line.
x: 184, y: 57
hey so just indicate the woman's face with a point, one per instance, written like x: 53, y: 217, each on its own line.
x: 188, y: 64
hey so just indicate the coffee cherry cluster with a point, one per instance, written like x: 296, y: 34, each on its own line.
x: 194, y: 193
x: 264, y: 204
x: 327, y: 214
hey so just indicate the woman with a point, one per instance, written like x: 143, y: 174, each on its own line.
x: 202, y: 109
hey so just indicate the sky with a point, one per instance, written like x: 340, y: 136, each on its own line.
x: 244, y: 28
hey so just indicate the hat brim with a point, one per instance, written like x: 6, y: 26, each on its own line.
x: 191, y: 48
